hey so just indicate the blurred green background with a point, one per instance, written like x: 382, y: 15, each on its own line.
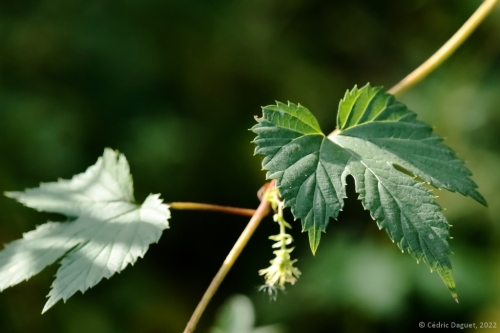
x: 174, y: 85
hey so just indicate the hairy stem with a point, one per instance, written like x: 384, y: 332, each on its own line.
x: 446, y: 50
x: 242, y: 241
x: 217, y: 208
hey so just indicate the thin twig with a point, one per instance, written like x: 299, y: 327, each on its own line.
x: 217, y: 208
x: 446, y: 50
x: 261, y: 211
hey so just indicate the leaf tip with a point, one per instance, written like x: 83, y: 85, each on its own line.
x: 314, y: 238
x: 50, y: 303
x: 445, y: 274
x: 479, y: 198
x: 12, y: 195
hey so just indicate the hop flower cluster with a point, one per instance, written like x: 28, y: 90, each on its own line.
x: 281, y: 270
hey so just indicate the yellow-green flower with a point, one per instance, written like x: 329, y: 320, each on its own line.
x: 281, y: 270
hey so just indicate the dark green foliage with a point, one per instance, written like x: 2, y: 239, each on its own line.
x: 374, y: 133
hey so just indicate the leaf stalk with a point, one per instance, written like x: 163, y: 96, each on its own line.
x: 216, y: 208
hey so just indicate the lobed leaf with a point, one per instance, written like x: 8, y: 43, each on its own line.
x: 107, y: 233
x: 376, y: 139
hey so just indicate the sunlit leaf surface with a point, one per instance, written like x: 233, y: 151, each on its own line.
x: 106, y: 232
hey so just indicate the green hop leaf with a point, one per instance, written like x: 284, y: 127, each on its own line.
x: 376, y: 139
x: 107, y: 230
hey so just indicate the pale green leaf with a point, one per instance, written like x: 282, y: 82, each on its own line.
x: 108, y: 230
x: 377, y: 138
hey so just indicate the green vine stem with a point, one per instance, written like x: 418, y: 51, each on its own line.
x: 216, y: 208
x: 413, y: 78
x: 446, y: 50
x: 242, y: 241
